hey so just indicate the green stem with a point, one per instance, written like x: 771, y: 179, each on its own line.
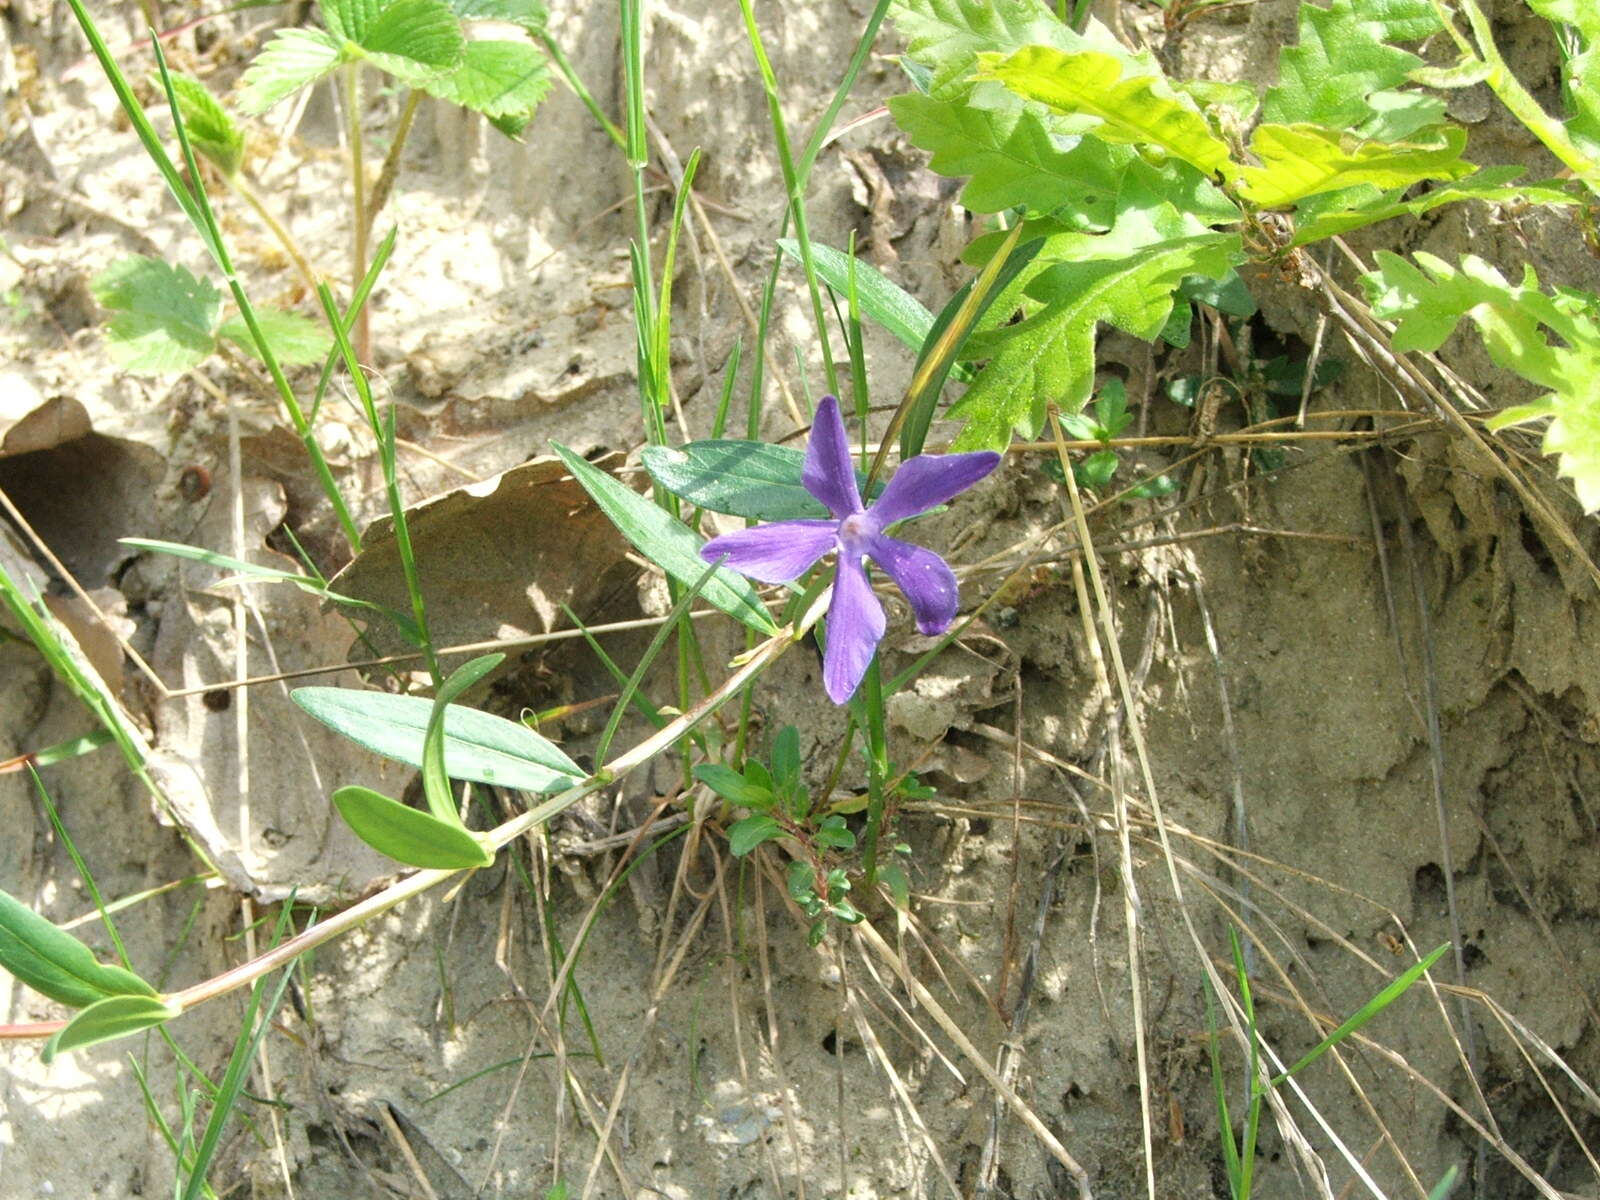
x: 358, y: 194
x: 247, y: 192
x: 558, y: 56
x: 794, y: 187
x: 877, y: 769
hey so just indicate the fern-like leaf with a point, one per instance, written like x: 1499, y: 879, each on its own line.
x: 1429, y: 299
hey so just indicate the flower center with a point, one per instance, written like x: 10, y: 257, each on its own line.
x: 855, y: 531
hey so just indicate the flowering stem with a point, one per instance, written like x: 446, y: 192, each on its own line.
x: 877, y: 768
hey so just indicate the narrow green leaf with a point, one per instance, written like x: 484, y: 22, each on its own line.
x: 293, y: 59
x: 305, y: 583
x: 742, y: 479
x: 295, y: 339
x: 56, y: 964
x: 1395, y: 989
x: 1340, y: 212
x: 162, y: 317
x: 668, y: 543
x: 478, y: 746
x: 744, y: 836
x: 407, y: 834
x: 435, y: 781
x: 212, y: 132
x: 885, y: 301
x: 734, y: 787
x: 109, y: 1019
x: 1303, y: 160
x: 1141, y: 110
x: 497, y: 79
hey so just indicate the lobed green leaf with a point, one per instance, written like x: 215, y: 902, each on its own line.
x: 163, y: 318
x: 295, y: 339
x: 293, y: 59
x: 497, y: 79
x: 1304, y: 160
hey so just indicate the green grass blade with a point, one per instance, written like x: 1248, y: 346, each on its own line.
x: 1395, y: 989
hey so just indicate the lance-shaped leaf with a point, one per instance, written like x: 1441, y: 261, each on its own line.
x: 109, y: 1019
x: 668, y: 543
x: 742, y: 479
x: 1140, y: 110
x: 1428, y: 302
x: 478, y: 746
x: 409, y: 835
x: 885, y: 301
x: 162, y: 317
x: 56, y: 964
x: 1304, y: 160
x: 1338, y: 213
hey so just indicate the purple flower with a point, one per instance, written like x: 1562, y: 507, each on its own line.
x: 785, y: 550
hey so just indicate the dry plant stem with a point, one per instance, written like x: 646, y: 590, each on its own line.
x: 246, y: 191
x: 422, y: 881
x: 384, y: 187
x: 869, y: 1039
x: 1130, y: 893
x: 867, y: 933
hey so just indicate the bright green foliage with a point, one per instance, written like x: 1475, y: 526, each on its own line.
x: 54, y: 963
x: 420, y: 43
x: 1126, y: 278
x: 295, y: 339
x: 1516, y: 322
x: 293, y: 59
x: 478, y: 746
x: 1344, y: 54
x: 667, y: 542
x: 1017, y: 154
x: 212, y: 132
x: 164, y: 319
x: 497, y: 79
x: 1366, y: 205
x: 1138, y: 110
x: 528, y: 15
x: 410, y: 835
x: 1580, y: 72
x: 109, y: 1019
x: 1305, y: 160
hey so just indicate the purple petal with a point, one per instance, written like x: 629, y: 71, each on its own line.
x: 855, y: 627
x: 927, y: 481
x: 924, y: 577
x: 773, y: 553
x: 829, y: 473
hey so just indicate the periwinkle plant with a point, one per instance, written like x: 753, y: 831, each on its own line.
x: 784, y: 550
